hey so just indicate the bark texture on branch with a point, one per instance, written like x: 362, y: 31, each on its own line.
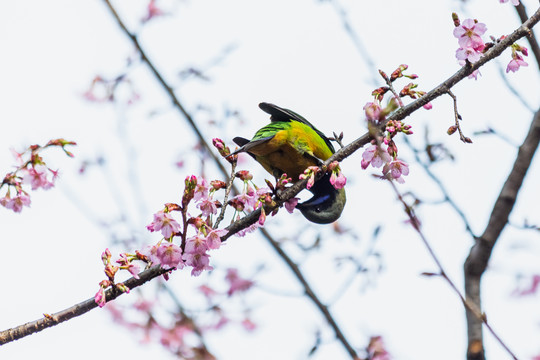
x: 480, y: 253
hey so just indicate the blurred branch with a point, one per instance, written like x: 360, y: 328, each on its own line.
x: 169, y: 90
x: 441, y: 186
x: 480, y: 253
x: 357, y: 41
x: 311, y: 295
x: 471, y: 307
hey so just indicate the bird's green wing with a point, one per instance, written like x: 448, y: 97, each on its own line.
x: 249, y: 144
x: 280, y: 116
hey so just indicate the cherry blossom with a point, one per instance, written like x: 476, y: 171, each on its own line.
x: 213, y: 239
x: 469, y: 34
x: 396, y: 169
x: 170, y: 256
x: 236, y: 282
x: 36, y: 176
x: 164, y: 222
x: 515, y: 63
x: 199, y: 262
x: 376, y: 156
x: 16, y: 204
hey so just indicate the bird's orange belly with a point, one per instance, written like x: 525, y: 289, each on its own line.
x: 284, y: 159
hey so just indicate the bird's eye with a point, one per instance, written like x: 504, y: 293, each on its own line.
x: 318, y: 209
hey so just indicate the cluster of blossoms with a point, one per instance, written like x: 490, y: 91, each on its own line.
x: 471, y: 46
x: 125, y: 262
x: 33, y: 172
x: 192, y: 250
x: 337, y: 179
x: 517, y: 60
x: 383, y: 150
x: 188, y: 242
x: 181, y: 332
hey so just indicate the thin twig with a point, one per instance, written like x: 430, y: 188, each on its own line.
x: 470, y: 306
x: 442, y: 188
x: 169, y: 90
x: 227, y: 193
x: 311, y: 295
x: 457, y: 119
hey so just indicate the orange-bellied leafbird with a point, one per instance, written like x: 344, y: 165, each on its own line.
x: 289, y: 145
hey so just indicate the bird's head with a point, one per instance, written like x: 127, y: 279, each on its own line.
x: 324, y: 207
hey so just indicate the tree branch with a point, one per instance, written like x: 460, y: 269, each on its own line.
x: 76, y: 310
x: 480, y: 253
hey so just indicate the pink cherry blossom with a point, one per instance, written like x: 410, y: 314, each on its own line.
x: 248, y: 324
x: 16, y: 204
x: 376, y: 349
x: 396, y: 168
x: 290, y: 204
x: 151, y: 253
x: 207, y: 291
x: 309, y: 174
x: 36, y: 176
x: 199, y: 262
x: 469, y: 54
x: 170, y: 256
x: 152, y: 11
x: 469, y: 34
x: 262, y: 217
x: 372, y: 111
x: 213, y: 239
x: 201, y: 190
x: 134, y: 270
x: 251, y: 228
x: 236, y: 283
x: 376, y: 156
x: 5, y: 200
x: 515, y: 63
x: 99, y: 298
x: 196, y: 245
x: 337, y: 179
x: 247, y: 198
x: 207, y: 206
x: 474, y: 74
x: 164, y: 222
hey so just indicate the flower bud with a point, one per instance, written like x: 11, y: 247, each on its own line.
x: 244, y: 175
x: 452, y: 129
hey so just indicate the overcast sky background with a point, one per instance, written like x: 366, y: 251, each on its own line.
x: 296, y: 55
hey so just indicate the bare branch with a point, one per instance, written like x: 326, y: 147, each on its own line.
x: 480, y: 253
x: 76, y: 310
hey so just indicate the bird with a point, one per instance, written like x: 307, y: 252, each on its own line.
x: 289, y: 145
